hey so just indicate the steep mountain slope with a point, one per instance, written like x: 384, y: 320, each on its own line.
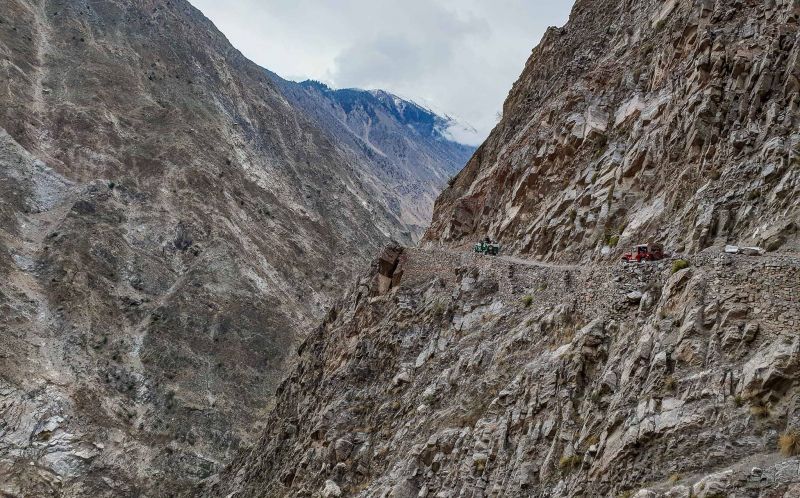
x: 674, y: 120
x: 446, y: 374
x: 402, y: 145
x: 485, y: 377
x: 171, y: 226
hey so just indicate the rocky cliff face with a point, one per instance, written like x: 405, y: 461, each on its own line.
x: 444, y: 374
x: 491, y: 377
x: 171, y: 226
x: 672, y: 120
x: 402, y: 147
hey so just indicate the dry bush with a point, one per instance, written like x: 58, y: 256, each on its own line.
x: 789, y: 443
x: 759, y: 410
x: 568, y: 463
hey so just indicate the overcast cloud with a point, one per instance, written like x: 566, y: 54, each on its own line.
x: 459, y: 57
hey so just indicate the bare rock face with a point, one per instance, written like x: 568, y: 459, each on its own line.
x: 170, y: 227
x: 667, y: 120
x: 487, y: 377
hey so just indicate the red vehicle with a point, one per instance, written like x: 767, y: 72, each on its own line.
x: 644, y: 252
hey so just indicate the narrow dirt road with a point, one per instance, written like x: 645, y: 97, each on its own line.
x: 532, y: 262
x: 466, y: 252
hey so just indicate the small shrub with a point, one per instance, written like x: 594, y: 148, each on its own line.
x: 759, y: 410
x: 613, y: 241
x: 529, y: 322
x: 678, y: 265
x: 591, y: 440
x: 674, y: 478
x: 527, y: 301
x: 451, y: 181
x: 789, y: 443
x: 568, y: 463
x: 738, y: 400
x: 670, y: 384
x: 625, y: 494
x: 439, y: 309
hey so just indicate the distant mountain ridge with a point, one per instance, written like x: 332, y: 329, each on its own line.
x: 404, y: 149
x: 425, y: 121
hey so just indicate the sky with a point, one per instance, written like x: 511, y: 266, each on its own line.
x: 457, y: 57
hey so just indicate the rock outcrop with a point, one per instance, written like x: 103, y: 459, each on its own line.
x: 672, y: 120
